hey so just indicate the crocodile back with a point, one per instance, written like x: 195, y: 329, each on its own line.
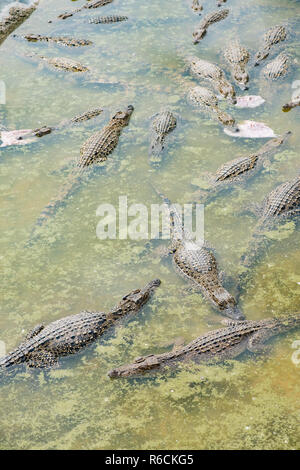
x: 99, y: 146
x: 107, y: 19
x: 277, y: 68
x: 236, y: 167
x: 282, y: 200
x: 214, y: 17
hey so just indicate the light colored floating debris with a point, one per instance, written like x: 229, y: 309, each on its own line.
x: 249, y: 101
x: 252, y: 130
x: 17, y: 137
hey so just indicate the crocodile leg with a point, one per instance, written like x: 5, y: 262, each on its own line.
x: 42, y: 359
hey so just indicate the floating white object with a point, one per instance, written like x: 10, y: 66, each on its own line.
x: 252, y: 130
x: 18, y: 137
x: 249, y: 101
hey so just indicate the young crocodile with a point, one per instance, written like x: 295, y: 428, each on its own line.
x: 198, y: 264
x: 95, y: 150
x: 237, y: 56
x: 277, y: 68
x: 162, y: 124
x: 196, y: 7
x: 215, y: 346
x: 207, y: 99
x: 282, y: 203
x: 44, y: 345
x: 211, y: 72
x: 16, y: 16
x: 90, y: 4
x: 107, y: 19
x: 62, y: 40
x: 208, y: 20
x: 272, y: 36
x: 238, y: 170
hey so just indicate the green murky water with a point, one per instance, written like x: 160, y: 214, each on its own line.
x: 245, y: 404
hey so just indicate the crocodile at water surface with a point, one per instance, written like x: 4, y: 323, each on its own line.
x: 291, y: 104
x: 240, y: 169
x: 207, y: 99
x: 272, y: 36
x: 197, y: 263
x: 44, y: 345
x: 214, y: 74
x: 62, y: 40
x: 91, y: 4
x: 95, y: 150
x: 107, y: 19
x: 238, y: 57
x: 162, y: 124
x: 16, y: 16
x: 215, y: 346
x: 277, y: 68
x: 208, y: 20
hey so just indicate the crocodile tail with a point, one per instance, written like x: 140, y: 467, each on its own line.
x: 15, y: 357
x: 50, y: 210
x: 155, y: 149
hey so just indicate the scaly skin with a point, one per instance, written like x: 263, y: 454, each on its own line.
x: 95, y: 150
x: 93, y: 4
x: 44, y: 345
x: 282, y: 203
x: 16, y: 16
x: 208, y: 20
x: 211, y: 72
x: 196, y: 7
x: 107, y: 19
x: 206, y: 99
x: 240, y: 169
x: 272, y: 36
x: 237, y: 56
x: 62, y: 40
x: 277, y: 68
x: 214, y: 346
x: 198, y: 264
x: 163, y: 123
x: 66, y: 64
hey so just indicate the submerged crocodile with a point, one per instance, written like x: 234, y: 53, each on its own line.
x: 214, y: 74
x: 16, y: 16
x: 107, y: 19
x: 215, y: 346
x: 237, y: 56
x: 197, y: 263
x: 44, y: 345
x: 237, y: 171
x: 208, y: 20
x: 95, y: 150
x: 281, y: 204
x: 207, y: 99
x: 277, y: 68
x: 90, y: 4
x: 162, y: 124
x: 273, y: 36
x: 295, y: 101
x: 63, y: 40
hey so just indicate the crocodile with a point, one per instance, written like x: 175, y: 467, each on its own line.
x: 207, y: 71
x: 273, y: 36
x: 237, y: 56
x: 196, y: 262
x: 62, y: 40
x: 107, y: 19
x: 44, y: 345
x: 237, y: 171
x: 196, y: 7
x: 215, y: 346
x: 162, y: 124
x: 277, y: 68
x: 281, y: 204
x: 91, y: 4
x: 94, y: 151
x: 291, y: 104
x: 16, y: 16
x: 208, y: 20
x: 207, y: 99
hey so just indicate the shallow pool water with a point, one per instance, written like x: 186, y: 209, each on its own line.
x: 250, y: 403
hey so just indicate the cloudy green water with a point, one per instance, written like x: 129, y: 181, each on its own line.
x: 245, y: 404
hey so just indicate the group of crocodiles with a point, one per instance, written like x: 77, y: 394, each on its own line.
x: 44, y: 345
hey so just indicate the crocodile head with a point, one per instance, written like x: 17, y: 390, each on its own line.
x: 228, y: 91
x: 242, y: 78
x: 135, y: 300
x: 261, y: 55
x: 232, y: 311
x: 138, y: 367
x: 198, y: 35
x: 122, y: 118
